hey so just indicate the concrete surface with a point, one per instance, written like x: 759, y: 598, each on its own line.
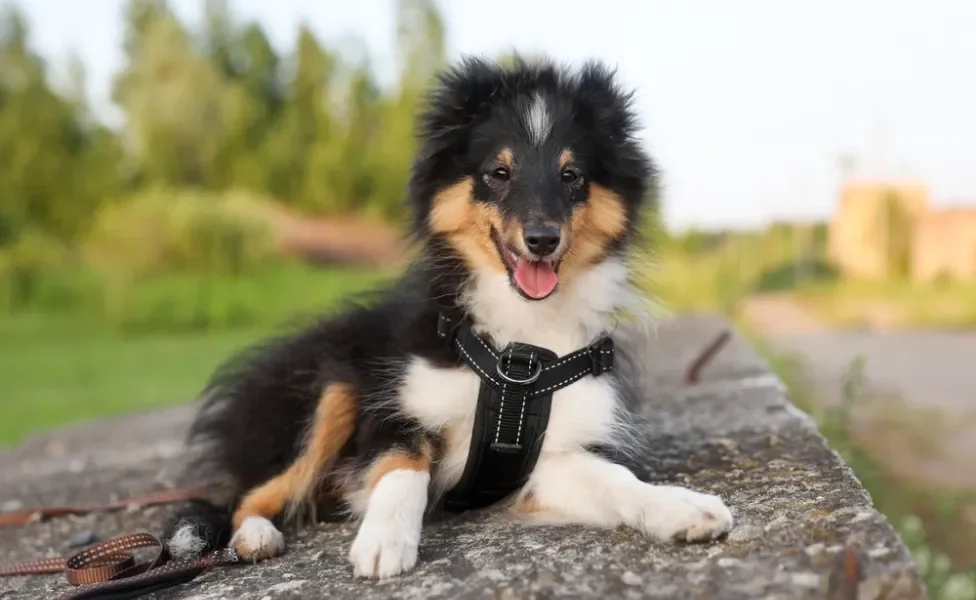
x: 735, y: 434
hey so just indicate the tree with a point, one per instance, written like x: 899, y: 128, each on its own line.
x: 58, y: 164
x: 174, y: 100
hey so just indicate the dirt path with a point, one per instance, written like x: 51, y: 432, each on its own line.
x: 919, y: 393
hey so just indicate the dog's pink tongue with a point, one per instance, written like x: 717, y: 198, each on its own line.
x: 537, y: 279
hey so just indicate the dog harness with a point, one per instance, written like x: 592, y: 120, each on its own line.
x: 517, y: 384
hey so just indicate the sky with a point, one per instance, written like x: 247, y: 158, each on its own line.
x: 747, y: 106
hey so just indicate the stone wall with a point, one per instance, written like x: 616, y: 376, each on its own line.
x: 734, y: 433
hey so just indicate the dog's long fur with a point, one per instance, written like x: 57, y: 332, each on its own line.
x: 368, y: 413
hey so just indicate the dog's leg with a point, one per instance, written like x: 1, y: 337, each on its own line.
x: 580, y: 487
x: 255, y: 536
x: 396, y: 488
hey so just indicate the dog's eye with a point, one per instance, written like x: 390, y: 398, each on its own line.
x: 501, y: 174
x: 569, y: 176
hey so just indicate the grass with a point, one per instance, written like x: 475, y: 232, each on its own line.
x: 62, y: 366
x: 55, y: 372
x: 892, y: 303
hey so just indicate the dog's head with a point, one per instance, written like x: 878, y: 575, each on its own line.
x: 530, y: 170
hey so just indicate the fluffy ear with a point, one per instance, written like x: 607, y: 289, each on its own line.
x: 460, y: 95
x: 603, y: 103
x: 604, y: 107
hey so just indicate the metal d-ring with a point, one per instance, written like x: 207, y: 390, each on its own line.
x: 529, y: 379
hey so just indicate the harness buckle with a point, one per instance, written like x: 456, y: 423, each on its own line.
x: 528, y: 358
x: 601, y: 356
x: 445, y: 328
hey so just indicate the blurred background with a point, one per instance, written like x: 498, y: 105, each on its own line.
x: 180, y: 178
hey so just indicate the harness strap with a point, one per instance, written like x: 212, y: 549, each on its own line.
x: 514, y: 401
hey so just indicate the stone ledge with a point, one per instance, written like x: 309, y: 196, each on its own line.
x: 734, y: 433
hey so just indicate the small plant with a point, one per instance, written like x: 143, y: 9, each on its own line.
x: 900, y: 501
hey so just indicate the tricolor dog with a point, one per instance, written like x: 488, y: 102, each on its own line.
x: 485, y: 373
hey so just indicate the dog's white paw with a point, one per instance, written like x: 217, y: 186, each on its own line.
x: 383, y: 550
x: 676, y: 513
x: 257, y: 539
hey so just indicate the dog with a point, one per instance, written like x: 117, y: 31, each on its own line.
x: 527, y: 192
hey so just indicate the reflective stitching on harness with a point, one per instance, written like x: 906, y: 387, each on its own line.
x: 472, y: 362
x: 518, y: 434
x: 561, y: 383
x: 487, y: 347
x: 501, y: 411
x: 570, y: 357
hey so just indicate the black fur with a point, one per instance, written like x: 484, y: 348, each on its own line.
x: 258, y: 406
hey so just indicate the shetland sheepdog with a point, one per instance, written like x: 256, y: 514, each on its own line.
x: 526, y: 193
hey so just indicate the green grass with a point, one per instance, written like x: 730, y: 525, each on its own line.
x: 55, y: 377
x: 62, y: 366
x: 893, y: 303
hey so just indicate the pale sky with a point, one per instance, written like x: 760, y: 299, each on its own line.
x: 747, y: 105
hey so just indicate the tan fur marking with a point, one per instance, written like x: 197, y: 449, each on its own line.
x: 335, y: 419
x: 467, y: 225
x: 565, y: 159
x: 507, y: 158
x: 593, y: 226
x: 526, y: 504
x: 396, y: 461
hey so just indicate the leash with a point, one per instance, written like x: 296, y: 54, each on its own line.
x: 108, y: 570
x: 25, y: 517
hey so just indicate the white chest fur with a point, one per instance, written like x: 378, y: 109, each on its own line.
x: 445, y: 400
x: 581, y: 414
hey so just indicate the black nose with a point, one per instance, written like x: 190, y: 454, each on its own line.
x: 542, y: 241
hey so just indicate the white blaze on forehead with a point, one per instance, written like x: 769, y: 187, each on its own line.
x: 537, y: 120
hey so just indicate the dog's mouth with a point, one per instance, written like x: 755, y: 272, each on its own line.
x: 534, y: 278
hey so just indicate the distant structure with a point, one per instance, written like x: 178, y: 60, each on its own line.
x: 945, y: 246
x: 886, y: 229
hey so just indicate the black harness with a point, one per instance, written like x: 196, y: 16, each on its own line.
x: 517, y: 384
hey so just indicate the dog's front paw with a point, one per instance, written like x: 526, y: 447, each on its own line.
x: 257, y: 539
x: 675, y: 513
x: 379, y: 552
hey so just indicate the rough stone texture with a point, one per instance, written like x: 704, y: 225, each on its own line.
x: 734, y: 433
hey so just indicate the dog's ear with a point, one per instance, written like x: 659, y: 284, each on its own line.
x: 601, y: 102
x: 460, y: 95
x: 607, y: 110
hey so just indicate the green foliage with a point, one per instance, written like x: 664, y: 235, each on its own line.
x: 197, y: 303
x: 24, y: 268
x: 216, y: 109
x: 182, y: 231
x: 56, y: 164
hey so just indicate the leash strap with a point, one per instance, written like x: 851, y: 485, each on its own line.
x: 23, y: 517
x: 514, y: 401
x: 108, y: 570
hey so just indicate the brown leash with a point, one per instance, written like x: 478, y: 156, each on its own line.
x: 108, y: 569
x: 24, y: 517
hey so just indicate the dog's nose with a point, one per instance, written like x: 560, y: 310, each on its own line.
x: 543, y: 240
